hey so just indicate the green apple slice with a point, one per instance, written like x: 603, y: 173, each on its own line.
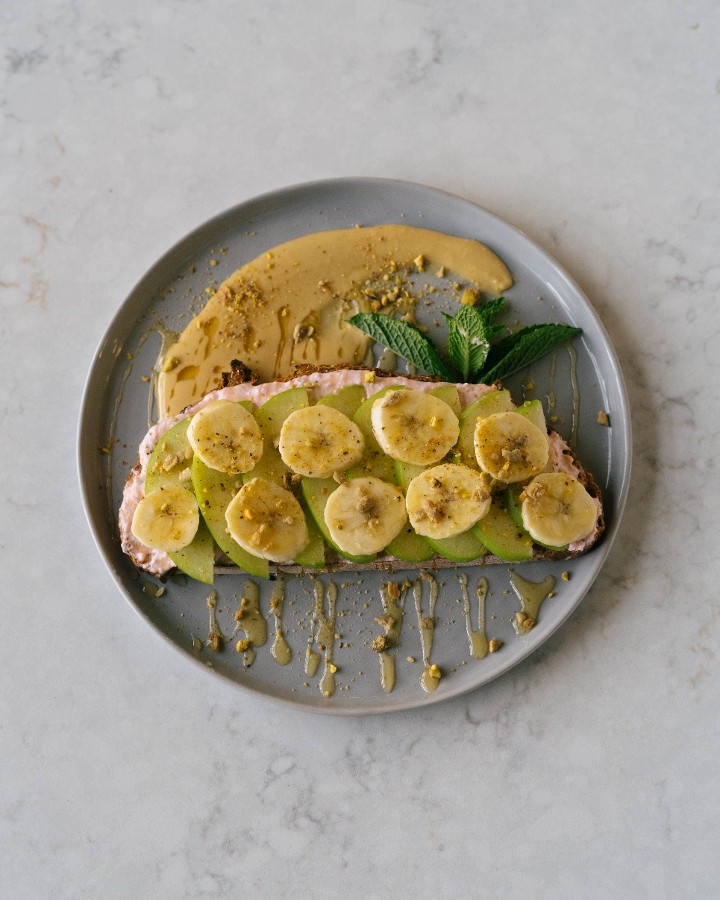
x: 461, y: 548
x: 487, y: 405
x: 450, y: 395
x: 313, y: 556
x: 410, y: 546
x: 502, y: 537
x: 197, y: 560
x: 405, y: 472
x: 346, y: 399
x: 270, y: 417
x: 316, y: 492
x: 374, y: 461
x: 533, y: 410
x: 214, y: 491
x: 168, y: 464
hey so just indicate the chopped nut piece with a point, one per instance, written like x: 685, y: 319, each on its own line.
x: 524, y: 621
x: 603, y: 418
x: 426, y: 623
x: 495, y: 645
x: 434, y: 671
x: 243, y: 645
x: 469, y: 298
x: 411, y: 659
x: 215, y: 642
x: 565, y: 576
x: 419, y: 262
x: 381, y: 643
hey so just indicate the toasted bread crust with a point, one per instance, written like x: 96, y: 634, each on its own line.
x: 241, y: 374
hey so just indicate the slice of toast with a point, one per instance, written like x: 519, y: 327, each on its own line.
x: 239, y: 384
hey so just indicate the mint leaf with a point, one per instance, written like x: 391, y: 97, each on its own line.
x: 468, y: 344
x: 405, y: 340
x: 522, y: 348
x: 490, y: 310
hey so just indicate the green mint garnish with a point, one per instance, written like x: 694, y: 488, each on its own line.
x: 518, y: 350
x: 473, y: 352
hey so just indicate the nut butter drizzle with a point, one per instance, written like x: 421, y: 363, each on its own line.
x: 531, y: 595
x: 392, y: 596
x: 281, y: 650
x: 283, y: 317
x: 572, y: 353
x: 167, y: 339
x: 215, y: 639
x: 430, y: 678
x: 322, y: 632
x: 477, y: 637
x: 251, y: 622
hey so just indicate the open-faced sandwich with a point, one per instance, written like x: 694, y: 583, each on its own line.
x: 355, y: 468
x: 343, y: 465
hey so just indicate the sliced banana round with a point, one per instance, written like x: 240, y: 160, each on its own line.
x: 319, y: 440
x: 226, y: 437
x: 414, y: 427
x: 509, y: 447
x: 447, y: 499
x: 363, y: 515
x: 557, y: 510
x: 166, y: 519
x: 267, y: 520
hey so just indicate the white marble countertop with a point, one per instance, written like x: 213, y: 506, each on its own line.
x: 589, y: 770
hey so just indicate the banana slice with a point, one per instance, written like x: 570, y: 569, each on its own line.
x: 363, y: 515
x: 447, y: 500
x: 509, y: 447
x: 166, y: 519
x: 267, y: 520
x: 557, y: 510
x: 414, y: 427
x: 320, y: 440
x: 226, y: 437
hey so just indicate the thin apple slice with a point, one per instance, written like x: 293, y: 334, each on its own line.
x: 487, y: 405
x: 214, y: 491
x: 270, y: 417
x: 170, y: 463
x: 502, y: 537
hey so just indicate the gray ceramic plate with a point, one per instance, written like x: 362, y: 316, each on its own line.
x: 115, y: 414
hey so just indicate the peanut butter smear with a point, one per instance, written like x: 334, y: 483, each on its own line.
x: 289, y: 306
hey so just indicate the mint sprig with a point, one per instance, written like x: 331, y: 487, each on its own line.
x: 405, y: 340
x: 472, y: 351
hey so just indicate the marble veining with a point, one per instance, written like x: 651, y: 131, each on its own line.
x: 587, y: 771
